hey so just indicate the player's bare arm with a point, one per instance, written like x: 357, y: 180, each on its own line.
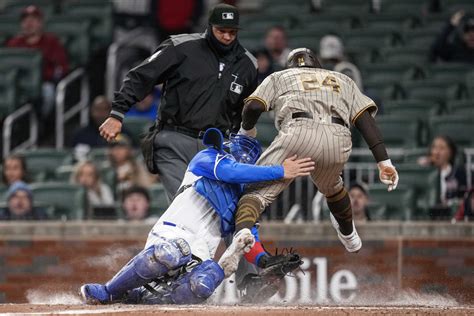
x: 253, y: 108
x: 110, y: 128
x: 367, y: 126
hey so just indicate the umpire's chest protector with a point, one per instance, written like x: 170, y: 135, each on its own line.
x: 209, y: 88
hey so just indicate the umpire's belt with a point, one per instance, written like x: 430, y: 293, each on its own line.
x: 194, y: 133
x: 335, y: 120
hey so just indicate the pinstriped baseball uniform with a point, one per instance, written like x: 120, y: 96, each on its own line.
x: 325, y: 94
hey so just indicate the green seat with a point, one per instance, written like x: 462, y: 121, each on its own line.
x: 460, y: 107
x: 267, y: 117
x: 433, y: 90
x: 411, y: 155
x: 384, y: 91
x: 159, y: 200
x: 29, y: 65
x: 405, y: 57
x: 99, y: 155
x: 136, y: 126
x: 100, y: 13
x: 345, y: 7
x: 400, y: 203
x: 43, y: 162
x: 390, y: 21
x: 10, y: 26
x: 374, y: 39
x: 389, y: 73
x: 68, y: 201
x: 74, y: 34
x: 3, y: 192
x: 14, y: 8
x: 449, y: 72
x: 470, y: 83
x: 423, y: 180
x: 459, y: 127
x: 266, y: 133
x: 9, y: 99
x: 402, y: 8
x: 399, y: 131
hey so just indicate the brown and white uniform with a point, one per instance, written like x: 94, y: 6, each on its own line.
x: 326, y: 96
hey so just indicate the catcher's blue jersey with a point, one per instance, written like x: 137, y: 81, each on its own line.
x: 222, y: 181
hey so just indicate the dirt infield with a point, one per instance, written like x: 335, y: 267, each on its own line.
x: 244, y: 310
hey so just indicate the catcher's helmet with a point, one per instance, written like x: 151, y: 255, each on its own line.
x: 302, y: 57
x: 244, y: 149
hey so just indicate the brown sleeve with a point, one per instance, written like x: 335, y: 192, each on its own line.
x: 366, y: 125
x: 252, y: 110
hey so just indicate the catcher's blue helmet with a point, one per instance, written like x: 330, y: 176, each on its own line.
x: 243, y: 148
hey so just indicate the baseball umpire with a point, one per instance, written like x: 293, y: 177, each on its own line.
x: 313, y: 109
x: 206, y: 78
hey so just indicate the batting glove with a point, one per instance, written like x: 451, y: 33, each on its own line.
x: 388, y: 174
x: 250, y: 133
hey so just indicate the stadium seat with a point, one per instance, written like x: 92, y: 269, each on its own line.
x: 434, y: 90
x: 9, y: 26
x: 100, y: 13
x: 266, y: 133
x: 159, y: 201
x: 345, y: 7
x: 449, y: 72
x: 452, y: 6
x: 42, y: 163
x: 74, y: 34
x: 460, y: 107
x: 400, y: 203
x: 390, y: 21
x: 402, y: 7
x: 399, y: 131
x: 371, y: 39
x: 99, y: 155
x: 389, y: 73
x: 136, y: 126
x: 8, y: 92
x: 384, y: 90
x: 459, y: 127
x: 470, y: 83
x: 67, y: 200
x: 14, y: 7
x: 3, y: 191
x: 423, y: 180
x: 411, y: 155
x: 29, y: 65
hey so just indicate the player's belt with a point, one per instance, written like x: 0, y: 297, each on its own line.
x: 335, y: 120
x: 194, y: 133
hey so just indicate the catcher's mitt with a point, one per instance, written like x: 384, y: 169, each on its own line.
x: 260, y: 287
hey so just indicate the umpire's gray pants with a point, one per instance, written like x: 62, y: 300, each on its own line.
x: 173, y: 152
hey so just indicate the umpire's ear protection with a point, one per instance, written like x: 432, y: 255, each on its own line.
x: 213, y: 138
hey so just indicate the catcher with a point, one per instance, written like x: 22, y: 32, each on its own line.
x: 176, y: 265
x: 313, y: 108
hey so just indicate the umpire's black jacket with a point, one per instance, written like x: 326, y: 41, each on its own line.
x: 201, y: 89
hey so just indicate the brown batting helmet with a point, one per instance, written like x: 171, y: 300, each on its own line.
x: 302, y: 57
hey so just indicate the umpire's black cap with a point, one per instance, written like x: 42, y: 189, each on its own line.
x: 224, y: 15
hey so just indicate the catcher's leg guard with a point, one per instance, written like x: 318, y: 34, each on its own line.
x: 149, y: 264
x: 197, y: 285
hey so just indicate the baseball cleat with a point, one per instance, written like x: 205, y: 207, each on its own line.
x: 241, y: 243
x: 352, y: 242
x: 94, y: 294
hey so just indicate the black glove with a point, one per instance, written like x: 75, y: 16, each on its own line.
x: 256, y: 288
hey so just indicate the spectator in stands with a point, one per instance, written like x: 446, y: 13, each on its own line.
x: 276, y: 46
x: 176, y: 16
x: 55, y: 61
x: 332, y: 57
x: 148, y: 107
x: 452, y: 179
x: 359, y: 202
x: 20, y: 204
x: 88, y: 137
x: 455, y: 43
x: 14, y: 169
x: 98, y: 193
x: 265, y: 65
x: 130, y: 172
x: 136, y: 203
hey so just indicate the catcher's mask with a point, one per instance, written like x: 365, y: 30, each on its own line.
x: 243, y: 148
x: 302, y: 57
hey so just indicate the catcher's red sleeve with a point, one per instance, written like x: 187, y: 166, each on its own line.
x: 255, y: 253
